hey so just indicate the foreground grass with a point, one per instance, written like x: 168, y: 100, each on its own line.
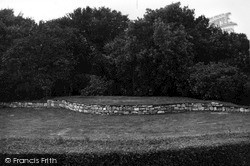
x: 225, y: 155
x: 194, y: 138
x: 219, y: 149
x: 85, y: 145
x: 47, y: 123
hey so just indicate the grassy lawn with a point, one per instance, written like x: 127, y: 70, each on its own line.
x: 191, y: 138
x: 60, y: 145
x: 22, y: 124
x: 127, y: 100
x: 37, y: 123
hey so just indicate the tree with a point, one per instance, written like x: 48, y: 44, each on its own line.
x: 100, y: 25
x: 157, y: 53
x: 211, y: 44
x: 97, y: 86
x: 217, y: 81
x: 152, y: 55
x: 40, y: 60
x: 12, y: 28
x: 177, y: 55
x: 200, y: 38
x: 97, y: 27
x: 172, y: 13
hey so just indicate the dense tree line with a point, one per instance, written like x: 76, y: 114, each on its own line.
x: 93, y: 51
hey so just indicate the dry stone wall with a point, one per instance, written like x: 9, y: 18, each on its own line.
x: 129, y: 109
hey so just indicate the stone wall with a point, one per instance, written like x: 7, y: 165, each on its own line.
x: 129, y: 109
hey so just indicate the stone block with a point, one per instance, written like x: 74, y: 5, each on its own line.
x: 194, y: 109
x: 157, y: 107
x: 61, y: 105
x: 198, y: 105
x: 219, y: 108
x: 201, y: 108
x: 151, y: 109
x: 237, y: 109
x: 153, y: 112
x: 136, y: 109
x: 214, y: 103
x: 183, y: 105
x: 242, y: 109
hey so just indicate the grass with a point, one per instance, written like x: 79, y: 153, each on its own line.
x: 59, y: 145
x: 49, y: 123
x: 191, y: 138
x: 228, y: 152
x: 128, y: 100
x: 225, y: 155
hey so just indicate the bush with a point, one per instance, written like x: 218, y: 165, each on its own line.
x: 97, y: 86
x: 12, y: 89
x: 217, y: 81
x: 80, y: 81
x: 245, y: 97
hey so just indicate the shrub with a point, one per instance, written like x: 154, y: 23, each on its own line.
x: 217, y: 81
x: 80, y: 81
x: 97, y: 86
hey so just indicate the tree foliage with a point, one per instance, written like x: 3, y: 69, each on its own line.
x: 217, y: 81
x: 168, y: 52
x: 97, y: 86
x: 99, y: 26
x: 40, y: 59
x: 152, y: 57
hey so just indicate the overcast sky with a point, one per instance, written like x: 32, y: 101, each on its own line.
x: 50, y: 9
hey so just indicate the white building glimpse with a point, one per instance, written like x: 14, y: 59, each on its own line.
x: 223, y: 21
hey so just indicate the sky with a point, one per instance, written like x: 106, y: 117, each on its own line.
x: 51, y: 9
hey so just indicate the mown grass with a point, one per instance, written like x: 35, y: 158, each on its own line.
x: 46, y: 123
x: 129, y: 100
x: 60, y: 144
x: 194, y: 138
x: 143, y: 152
